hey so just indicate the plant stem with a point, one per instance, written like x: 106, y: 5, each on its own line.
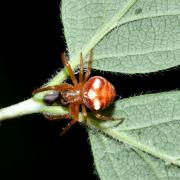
x: 25, y: 107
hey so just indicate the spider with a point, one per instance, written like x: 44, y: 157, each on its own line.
x: 95, y: 93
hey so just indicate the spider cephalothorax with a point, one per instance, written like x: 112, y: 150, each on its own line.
x: 95, y: 93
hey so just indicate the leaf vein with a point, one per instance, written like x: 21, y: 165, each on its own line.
x: 137, y: 53
x: 149, y: 164
x: 136, y: 18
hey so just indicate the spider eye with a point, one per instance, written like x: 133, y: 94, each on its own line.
x: 49, y: 99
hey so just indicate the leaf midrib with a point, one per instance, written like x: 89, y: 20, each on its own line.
x: 123, y: 137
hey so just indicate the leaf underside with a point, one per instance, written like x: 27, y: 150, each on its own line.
x: 144, y: 38
x: 146, y: 145
x: 131, y: 36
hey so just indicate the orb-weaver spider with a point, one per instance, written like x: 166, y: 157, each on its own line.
x: 95, y: 93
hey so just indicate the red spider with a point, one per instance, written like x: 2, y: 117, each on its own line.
x: 96, y: 93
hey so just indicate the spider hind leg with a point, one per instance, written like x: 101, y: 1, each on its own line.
x: 74, y: 109
x: 106, y: 118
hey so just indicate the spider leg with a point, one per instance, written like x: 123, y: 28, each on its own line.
x: 57, y: 117
x: 88, y: 71
x: 102, y: 117
x: 105, y: 118
x: 62, y: 87
x: 81, y: 69
x: 75, y: 112
x: 84, y: 112
x: 68, y: 68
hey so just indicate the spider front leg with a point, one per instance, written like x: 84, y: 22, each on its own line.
x: 88, y: 71
x: 81, y: 68
x: 68, y: 68
x: 61, y: 87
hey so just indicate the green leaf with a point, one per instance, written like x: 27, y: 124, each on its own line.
x: 146, y: 145
x: 128, y: 36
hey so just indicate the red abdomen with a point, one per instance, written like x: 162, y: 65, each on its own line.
x: 98, y: 93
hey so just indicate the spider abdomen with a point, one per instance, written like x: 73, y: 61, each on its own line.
x: 98, y: 93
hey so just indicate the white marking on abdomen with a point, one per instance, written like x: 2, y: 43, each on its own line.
x: 97, y: 104
x: 91, y: 94
x: 96, y: 84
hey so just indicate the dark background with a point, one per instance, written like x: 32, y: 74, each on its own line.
x: 31, y: 41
